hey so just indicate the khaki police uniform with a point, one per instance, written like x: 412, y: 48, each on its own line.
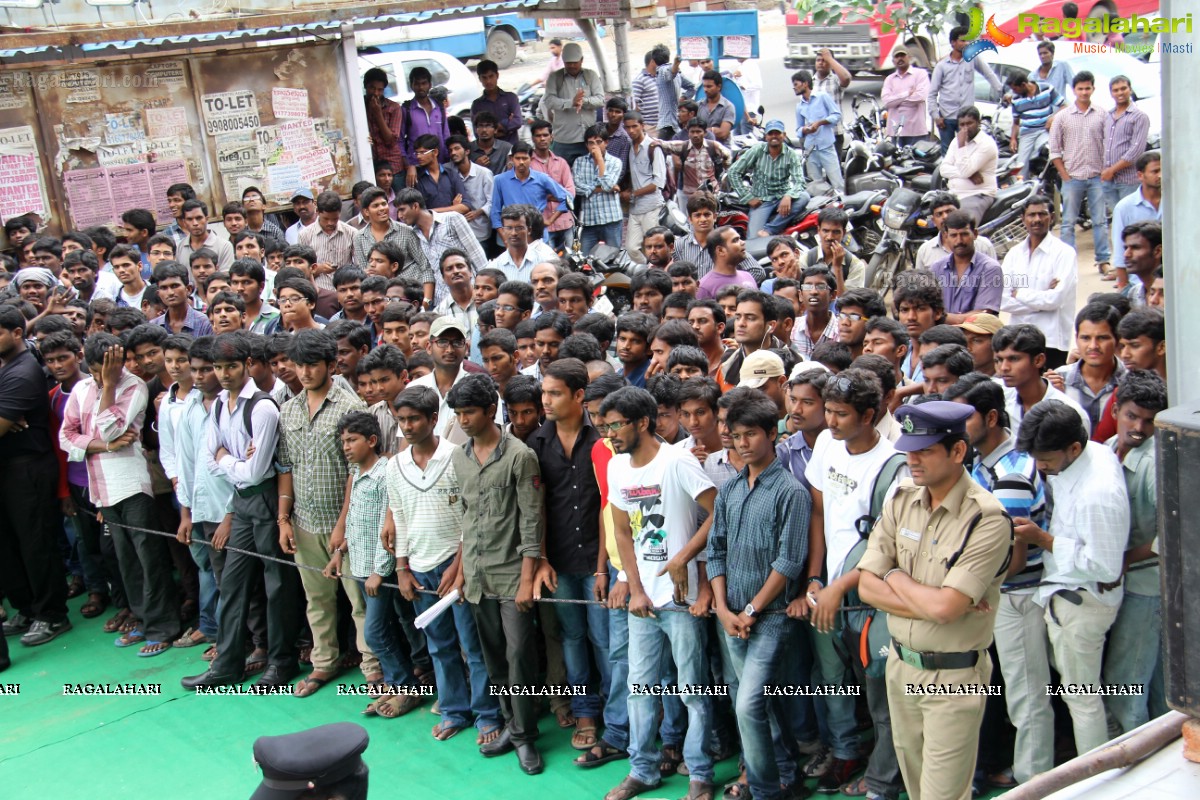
x: 936, y: 735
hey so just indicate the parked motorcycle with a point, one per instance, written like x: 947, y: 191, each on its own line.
x: 1003, y: 222
x: 898, y: 215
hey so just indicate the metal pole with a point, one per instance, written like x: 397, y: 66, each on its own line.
x: 588, y: 27
x: 1181, y: 192
x: 621, y: 37
x: 358, y: 104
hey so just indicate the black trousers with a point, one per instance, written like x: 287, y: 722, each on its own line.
x: 31, y: 566
x: 145, y: 567
x: 508, y: 638
x: 97, y: 553
x: 181, y: 557
x: 254, y: 529
x: 256, y: 618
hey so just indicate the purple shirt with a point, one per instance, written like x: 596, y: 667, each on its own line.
x: 981, y: 287
x: 418, y: 122
x: 714, y: 282
x: 507, y: 109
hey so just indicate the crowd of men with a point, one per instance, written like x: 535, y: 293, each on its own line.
x: 775, y: 484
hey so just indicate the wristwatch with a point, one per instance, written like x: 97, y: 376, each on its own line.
x: 749, y: 610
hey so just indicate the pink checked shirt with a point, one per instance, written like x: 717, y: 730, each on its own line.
x: 112, y: 477
x: 560, y: 172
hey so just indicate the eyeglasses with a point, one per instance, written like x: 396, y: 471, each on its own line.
x: 425, y: 152
x: 457, y: 344
x: 841, y: 384
x: 851, y: 316
x: 290, y: 300
x: 507, y: 309
x: 612, y: 427
x: 815, y: 287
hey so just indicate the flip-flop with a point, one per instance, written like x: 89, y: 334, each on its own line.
x: 129, y: 639
x: 316, y: 683
x: 488, y: 731
x: 143, y: 654
x: 444, y: 731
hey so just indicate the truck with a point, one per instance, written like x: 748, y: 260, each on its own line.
x: 495, y: 37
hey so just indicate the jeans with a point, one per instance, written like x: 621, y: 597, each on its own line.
x: 382, y: 631
x: 570, y: 151
x: 755, y: 660
x: 1134, y: 656
x: 1073, y: 192
x: 1113, y: 192
x: 1029, y: 143
x: 793, y: 719
x: 947, y: 133
x: 97, y: 554
x: 684, y: 634
x: 209, y: 591
x: 581, y: 625
x: 591, y: 235
x: 839, y: 709
x: 824, y: 162
x: 461, y: 688
x: 765, y: 216
x: 616, y: 707
x: 561, y: 240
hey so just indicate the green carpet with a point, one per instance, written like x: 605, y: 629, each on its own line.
x: 199, y: 747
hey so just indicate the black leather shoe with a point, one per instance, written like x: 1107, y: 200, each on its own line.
x: 530, y: 758
x: 210, y: 678
x: 501, y: 745
x: 275, y: 675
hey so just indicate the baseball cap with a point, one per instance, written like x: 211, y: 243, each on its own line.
x: 982, y: 323
x: 899, y: 50
x: 305, y: 193
x: 572, y: 52
x: 759, y: 367
x: 927, y: 424
x: 775, y: 125
x: 446, y: 323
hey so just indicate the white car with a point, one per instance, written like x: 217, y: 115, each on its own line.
x: 446, y: 70
x: 1145, y: 79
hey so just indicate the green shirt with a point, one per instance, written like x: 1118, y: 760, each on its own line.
x: 1139, y: 467
x: 502, y: 522
x: 771, y: 178
x: 310, y: 449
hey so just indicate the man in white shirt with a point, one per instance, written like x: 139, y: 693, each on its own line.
x: 1084, y: 553
x: 1040, y: 276
x: 520, y: 255
x: 1020, y: 352
x: 970, y: 165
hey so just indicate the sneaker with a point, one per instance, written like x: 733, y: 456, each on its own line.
x: 810, y: 747
x: 839, y: 773
x: 819, y: 763
x: 17, y: 624
x: 41, y: 632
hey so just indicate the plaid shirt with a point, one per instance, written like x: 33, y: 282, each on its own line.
x: 336, y: 249
x: 309, y: 448
x: 698, y: 163
x: 603, y: 207
x: 619, y: 144
x: 1125, y: 140
x: 364, y: 520
x: 688, y: 249
x: 196, y: 323
x: 416, y: 266
x: 450, y: 229
x: 393, y: 117
x: 832, y: 86
x: 772, y: 178
x: 806, y: 346
x: 558, y: 169
x: 1077, y: 137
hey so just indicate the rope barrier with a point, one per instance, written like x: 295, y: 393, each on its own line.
x: 558, y: 600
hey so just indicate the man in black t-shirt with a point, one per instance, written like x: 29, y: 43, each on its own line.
x: 31, y: 569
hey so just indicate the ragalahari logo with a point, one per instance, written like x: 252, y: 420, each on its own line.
x: 981, y: 39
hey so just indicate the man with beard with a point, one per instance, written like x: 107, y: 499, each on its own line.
x: 972, y: 282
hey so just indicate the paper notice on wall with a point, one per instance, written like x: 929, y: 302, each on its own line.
x: 80, y: 85
x: 18, y: 141
x: 123, y: 128
x: 166, y: 74
x: 599, y: 9
x: 315, y: 164
x: 130, y: 187
x: 115, y: 155
x: 164, y: 122
x: 737, y: 46
x: 237, y: 182
x: 694, y: 47
x: 283, y: 180
x: 298, y: 136
x: 89, y: 197
x: 289, y: 103
x: 168, y: 149
x: 14, y: 90
x: 227, y: 112
x: 237, y: 157
x: 162, y: 175
x: 22, y: 186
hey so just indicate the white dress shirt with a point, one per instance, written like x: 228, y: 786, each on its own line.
x: 1051, y: 308
x: 979, y: 155
x: 1090, y: 526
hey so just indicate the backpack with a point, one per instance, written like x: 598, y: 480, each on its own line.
x: 865, y: 632
x: 247, y: 410
x: 669, y: 190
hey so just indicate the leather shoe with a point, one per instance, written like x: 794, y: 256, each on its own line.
x: 498, y: 747
x: 530, y: 758
x: 275, y: 675
x: 210, y: 678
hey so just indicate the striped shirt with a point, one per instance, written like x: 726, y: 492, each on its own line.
x: 831, y: 85
x: 1032, y: 113
x: 450, y: 229
x: 1077, y: 137
x: 688, y: 249
x: 116, y: 476
x: 1125, y: 140
x: 805, y: 345
x: 645, y: 98
x: 364, y: 521
x: 599, y: 207
x: 772, y: 177
x: 415, y: 267
x: 335, y: 249
x: 310, y: 449
x: 1012, y: 477
x: 477, y: 192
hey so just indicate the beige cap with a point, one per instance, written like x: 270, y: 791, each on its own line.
x: 982, y: 323
x: 759, y: 367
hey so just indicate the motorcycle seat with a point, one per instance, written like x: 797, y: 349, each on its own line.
x: 856, y: 200
x: 757, y: 248
x: 922, y: 183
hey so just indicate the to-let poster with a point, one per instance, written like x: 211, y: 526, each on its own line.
x: 228, y: 112
x: 22, y: 186
x: 163, y: 123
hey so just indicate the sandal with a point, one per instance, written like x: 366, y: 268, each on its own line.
x: 114, y: 624
x: 311, y: 684
x: 130, y: 624
x: 75, y: 588
x: 737, y: 791
x: 445, y: 731
x: 669, y: 759
x: 256, y: 662
x: 855, y: 788
x: 191, y: 638
x: 305, y: 656
x: 565, y: 718
x: 599, y: 755
x: 210, y: 654
x: 489, y: 734
x: 700, y: 790
x: 584, y: 737
x: 425, y: 677
x: 129, y: 639
x: 94, y: 607
x: 1001, y: 780
x: 630, y: 787
x: 397, y: 705
x: 152, y: 649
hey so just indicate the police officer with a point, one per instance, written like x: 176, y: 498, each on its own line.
x: 934, y: 562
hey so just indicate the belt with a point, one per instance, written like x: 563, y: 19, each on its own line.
x: 258, y: 488
x: 936, y: 661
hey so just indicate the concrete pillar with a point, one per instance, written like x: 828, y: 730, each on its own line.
x: 621, y: 37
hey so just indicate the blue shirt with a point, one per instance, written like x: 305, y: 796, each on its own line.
x: 818, y: 106
x: 1032, y: 112
x: 980, y: 289
x: 195, y: 325
x: 440, y: 194
x: 1059, y: 76
x: 1012, y: 477
x: 535, y: 190
x: 1133, y: 207
x: 794, y: 453
x: 207, y: 492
